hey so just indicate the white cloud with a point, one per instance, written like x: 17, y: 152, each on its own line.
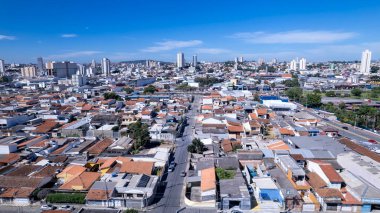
x: 73, y: 54
x: 69, y: 35
x: 293, y: 37
x: 7, y: 37
x: 171, y: 45
x: 212, y: 50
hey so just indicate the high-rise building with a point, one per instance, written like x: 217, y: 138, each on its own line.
x: 236, y: 59
x: 195, y: 60
x: 241, y: 59
x: 40, y: 65
x: 302, y: 64
x: 180, y: 60
x: 106, y: 66
x: 93, y: 64
x: 79, y: 80
x: 90, y: 71
x: 81, y: 69
x: 29, y: 71
x: 64, y: 69
x: 2, y: 67
x: 365, y: 64
x: 293, y: 65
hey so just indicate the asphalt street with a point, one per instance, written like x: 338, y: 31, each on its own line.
x: 171, y: 200
x: 352, y: 132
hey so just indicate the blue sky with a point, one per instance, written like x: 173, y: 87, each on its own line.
x: 215, y: 30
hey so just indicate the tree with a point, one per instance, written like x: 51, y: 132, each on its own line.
x: 256, y: 97
x: 375, y: 92
x: 5, y: 79
x: 184, y: 87
x: 131, y: 211
x: 313, y: 100
x: 294, y: 93
x: 356, y: 92
x: 224, y: 174
x: 208, y: 81
x: 139, y: 133
x: 115, y: 128
x: 149, y: 89
x: 196, y: 146
x: 292, y: 83
x: 330, y: 94
x: 128, y: 90
x: 111, y: 95
x: 374, y: 69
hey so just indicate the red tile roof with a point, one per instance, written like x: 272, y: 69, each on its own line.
x: 100, y: 146
x: 84, y: 181
x: 331, y: 174
x: 208, y: 179
x: 279, y: 145
x: 236, y: 128
x: 46, y: 127
x: 137, y: 167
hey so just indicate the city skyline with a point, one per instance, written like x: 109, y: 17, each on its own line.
x: 141, y: 30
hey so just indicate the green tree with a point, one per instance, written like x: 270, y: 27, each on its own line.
x: 294, y: 93
x: 128, y: 90
x: 196, y: 146
x: 140, y: 134
x: 115, y: 128
x: 375, y: 92
x: 149, y: 89
x: 111, y: 95
x: 131, y: 211
x: 356, y: 92
x: 330, y: 94
x: 313, y: 100
x: 292, y: 83
x: 256, y: 97
x: 224, y: 174
x: 207, y: 81
x: 374, y: 69
x: 184, y: 87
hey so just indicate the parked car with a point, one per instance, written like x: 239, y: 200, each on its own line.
x: 66, y: 207
x: 250, y: 189
x: 345, y: 127
x: 171, y: 166
x: 372, y: 141
x: 183, y: 174
x: 47, y: 207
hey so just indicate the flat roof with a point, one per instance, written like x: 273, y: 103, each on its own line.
x: 234, y: 188
x: 318, y: 143
x: 361, y: 166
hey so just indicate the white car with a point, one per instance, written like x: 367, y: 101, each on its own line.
x: 66, y: 207
x: 47, y: 207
